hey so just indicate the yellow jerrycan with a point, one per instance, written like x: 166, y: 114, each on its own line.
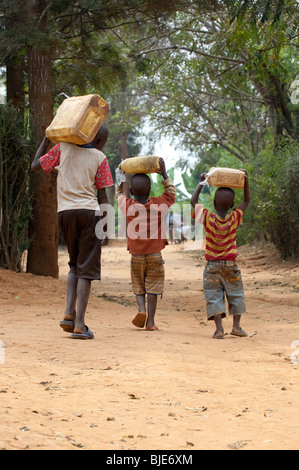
x: 78, y: 120
x: 147, y: 165
x: 226, y: 178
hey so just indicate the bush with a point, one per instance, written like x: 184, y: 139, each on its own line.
x: 15, y: 156
x: 277, y: 204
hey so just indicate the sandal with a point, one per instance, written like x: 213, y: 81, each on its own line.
x: 215, y: 336
x: 87, y: 335
x: 67, y: 326
x: 241, y: 333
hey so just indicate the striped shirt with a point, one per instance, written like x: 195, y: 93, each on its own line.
x: 221, y: 233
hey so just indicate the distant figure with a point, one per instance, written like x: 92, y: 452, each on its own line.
x: 178, y: 231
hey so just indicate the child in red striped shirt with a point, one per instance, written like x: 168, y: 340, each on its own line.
x: 222, y: 276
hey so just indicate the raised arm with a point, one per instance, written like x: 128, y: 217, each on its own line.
x: 167, y: 183
x: 247, y: 195
x: 196, y: 194
x: 163, y: 171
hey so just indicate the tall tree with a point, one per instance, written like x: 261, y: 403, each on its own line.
x: 13, y: 56
x: 77, y: 43
x: 43, y: 230
x: 221, y: 80
x: 24, y: 35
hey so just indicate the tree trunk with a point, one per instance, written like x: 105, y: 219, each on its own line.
x: 15, y: 83
x: 43, y: 229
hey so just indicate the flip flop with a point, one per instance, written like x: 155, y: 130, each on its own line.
x: 218, y: 337
x: 88, y: 335
x: 67, y: 326
x: 139, y: 320
x: 241, y: 333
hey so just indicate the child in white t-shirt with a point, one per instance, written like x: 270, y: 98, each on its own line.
x: 83, y: 176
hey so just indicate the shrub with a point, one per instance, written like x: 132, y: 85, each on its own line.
x: 15, y: 156
x: 277, y: 204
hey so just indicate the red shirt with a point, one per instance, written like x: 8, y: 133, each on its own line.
x: 146, y: 223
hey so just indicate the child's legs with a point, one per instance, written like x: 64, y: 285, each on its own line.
x: 137, y: 278
x: 154, y: 284
x: 89, y: 246
x: 235, y: 294
x: 219, y: 333
x: 68, y: 226
x: 147, y: 273
x: 154, y: 274
x: 214, y: 293
x: 88, y: 262
x: 236, y: 322
x: 78, y: 290
x: 152, y: 300
x: 78, y: 229
x: 83, y: 293
x: 141, y: 303
x: 215, y: 299
x: 151, y: 309
x: 72, y: 280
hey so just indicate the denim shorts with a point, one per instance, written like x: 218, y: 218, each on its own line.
x: 222, y: 279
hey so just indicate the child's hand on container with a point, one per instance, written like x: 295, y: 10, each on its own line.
x: 163, y: 171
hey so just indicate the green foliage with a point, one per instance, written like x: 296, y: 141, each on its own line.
x: 158, y: 189
x: 112, y: 148
x: 15, y: 155
x: 257, y: 10
x: 225, y: 94
x: 276, y: 197
x: 215, y: 75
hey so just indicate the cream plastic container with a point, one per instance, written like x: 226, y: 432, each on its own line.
x: 78, y: 120
x: 226, y: 178
x: 147, y: 165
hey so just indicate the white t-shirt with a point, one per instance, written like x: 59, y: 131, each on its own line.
x: 81, y: 171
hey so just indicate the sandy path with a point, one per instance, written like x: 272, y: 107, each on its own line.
x: 176, y: 389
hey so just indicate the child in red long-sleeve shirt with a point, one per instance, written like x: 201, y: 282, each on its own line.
x: 145, y: 244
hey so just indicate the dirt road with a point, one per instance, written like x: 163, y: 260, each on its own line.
x: 175, y: 389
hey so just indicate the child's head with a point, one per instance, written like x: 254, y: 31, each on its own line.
x: 101, y: 138
x: 141, y: 187
x: 224, y: 199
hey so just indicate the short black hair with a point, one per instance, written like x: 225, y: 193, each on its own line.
x: 226, y: 189
x: 102, y: 134
x: 141, y: 184
x: 224, y: 198
x: 142, y: 177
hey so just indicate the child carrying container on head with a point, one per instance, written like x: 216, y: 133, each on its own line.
x: 222, y: 276
x: 146, y: 239
x: 83, y: 176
